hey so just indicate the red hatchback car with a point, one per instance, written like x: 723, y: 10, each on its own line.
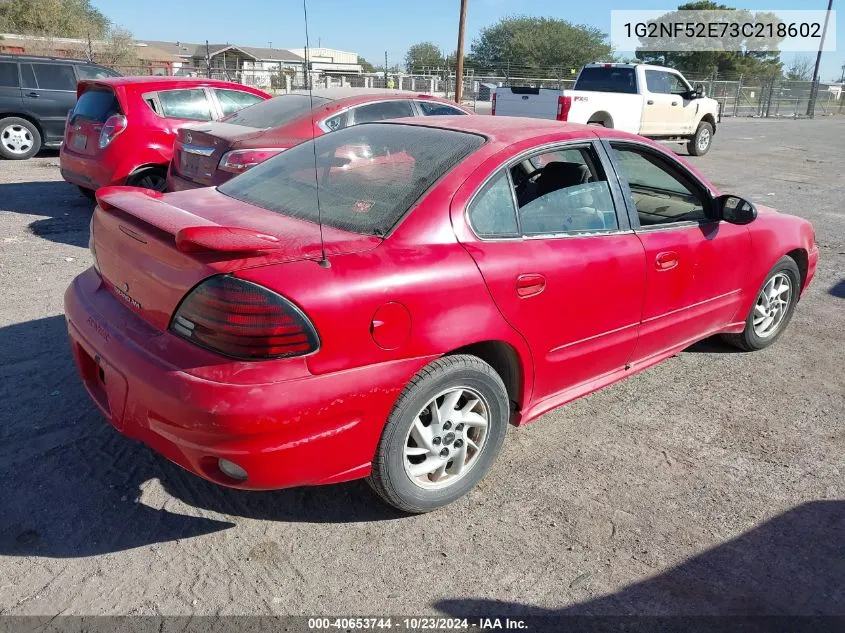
x: 322, y: 318
x: 121, y: 130
x: 214, y: 153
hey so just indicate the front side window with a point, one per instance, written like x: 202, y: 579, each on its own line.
x: 395, y: 109
x: 27, y: 76
x: 563, y: 192
x: 233, y: 100
x: 492, y: 213
x: 366, y: 177
x: 435, y: 108
x: 9, y: 75
x: 191, y: 104
x: 661, y: 194
x: 54, y: 76
x: 662, y: 82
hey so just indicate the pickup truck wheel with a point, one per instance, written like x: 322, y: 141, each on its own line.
x: 19, y: 139
x: 699, y: 144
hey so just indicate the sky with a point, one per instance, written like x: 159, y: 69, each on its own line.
x: 371, y: 27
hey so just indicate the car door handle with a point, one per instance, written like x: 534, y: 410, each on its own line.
x: 650, y: 102
x: 530, y: 284
x: 34, y: 95
x: 666, y: 260
x: 674, y: 103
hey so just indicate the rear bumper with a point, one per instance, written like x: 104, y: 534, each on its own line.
x: 304, y: 431
x: 85, y: 171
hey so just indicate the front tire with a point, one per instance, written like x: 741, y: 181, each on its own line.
x: 442, y: 436
x: 700, y: 144
x: 773, y: 308
x: 19, y: 139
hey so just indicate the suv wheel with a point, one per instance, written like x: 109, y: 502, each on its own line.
x: 19, y: 139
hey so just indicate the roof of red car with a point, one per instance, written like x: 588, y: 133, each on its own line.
x: 170, y: 82
x: 507, y: 129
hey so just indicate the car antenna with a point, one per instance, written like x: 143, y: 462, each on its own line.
x: 323, y: 261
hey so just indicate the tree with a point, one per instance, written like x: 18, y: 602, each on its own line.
x: 365, y: 65
x: 53, y: 18
x: 423, y: 55
x: 742, y: 56
x: 801, y: 69
x: 538, y: 46
x: 118, y: 49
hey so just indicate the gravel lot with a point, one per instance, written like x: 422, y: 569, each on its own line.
x: 710, y: 484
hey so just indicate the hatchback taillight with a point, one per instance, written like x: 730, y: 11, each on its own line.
x: 113, y: 126
x: 243, y: 320
x: 563, y: 106
x: 239, y: 160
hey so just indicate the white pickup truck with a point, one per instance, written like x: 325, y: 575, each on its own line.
x: 652, y: 101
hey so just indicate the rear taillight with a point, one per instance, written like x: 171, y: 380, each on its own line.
x: 563, y: 106
x: 494, y: 103
x: 243, y: 320
x: 113, y: 126
x: 239, y: 160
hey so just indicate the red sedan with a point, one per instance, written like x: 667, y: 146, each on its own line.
x: 383, y: 301
x: 122, y: 129
x: 214, y: 153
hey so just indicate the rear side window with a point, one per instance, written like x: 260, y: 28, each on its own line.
x: 96, y: 105
x: 233, y: 100
x: 9, y: 75
x: 370, y: 113
x: 191, y: 104
x: 433, y: 108
x: 367, y: 176
x: 493, y: 213
x: 613, y: 79
x: 275, y: 112
x: 95, y: 72
x: 54, y: 76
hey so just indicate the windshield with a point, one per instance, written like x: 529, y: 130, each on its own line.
x: 613, y: 79
x: 275, y: 112
x: 368, y: 175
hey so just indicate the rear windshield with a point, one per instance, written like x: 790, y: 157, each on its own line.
x: 613, y: 79
x: 368, y: 175
x: 275, y: 112
x: 96, y: 105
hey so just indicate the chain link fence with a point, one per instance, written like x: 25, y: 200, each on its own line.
x: 738, y: 96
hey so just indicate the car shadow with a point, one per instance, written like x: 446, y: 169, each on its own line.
x: 792, y: 564
x: 713, y: 345
x: 838, y: 290
x: 67, y: 211
x: 70, y: 485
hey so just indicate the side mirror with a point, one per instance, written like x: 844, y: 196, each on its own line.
x: 736, y: 210
x: 698, y: 91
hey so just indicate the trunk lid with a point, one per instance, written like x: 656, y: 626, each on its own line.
x: 94, y: 105
x: 198, y: 149
x: 152, y: 248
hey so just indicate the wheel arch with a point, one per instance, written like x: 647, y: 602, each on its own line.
x: 802, y: 260
x: 25, y: 117
x: 143, y: 168
x: 602, y: 116
x: 505, y: 361
x: 707, y: 118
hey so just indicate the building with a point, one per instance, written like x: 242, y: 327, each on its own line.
x: 149, y: 60
x: 330, y: 62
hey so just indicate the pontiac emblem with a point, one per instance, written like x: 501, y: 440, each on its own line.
x: 125, y: 287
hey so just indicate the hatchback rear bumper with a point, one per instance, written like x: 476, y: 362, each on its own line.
x: 313, y: 429
x: 85, y: 171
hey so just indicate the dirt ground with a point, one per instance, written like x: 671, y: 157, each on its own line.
x: 710, y: 484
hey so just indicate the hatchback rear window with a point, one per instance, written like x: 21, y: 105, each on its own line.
x: 367, y: 177
x: 96, y: 105
x: 275, y: 112
x: 612, y: 79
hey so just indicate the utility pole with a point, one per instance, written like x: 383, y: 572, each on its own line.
x: 842, y: 78
x: 385, y: 69
x: 459, y: 62
x: 811, y: 104
x: 207, y: 59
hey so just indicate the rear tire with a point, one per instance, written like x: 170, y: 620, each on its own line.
x: 769, y: 315
x: 19, y: 139
x: 700, y: 144
x: 154, y: 178
x: 455, y: 407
